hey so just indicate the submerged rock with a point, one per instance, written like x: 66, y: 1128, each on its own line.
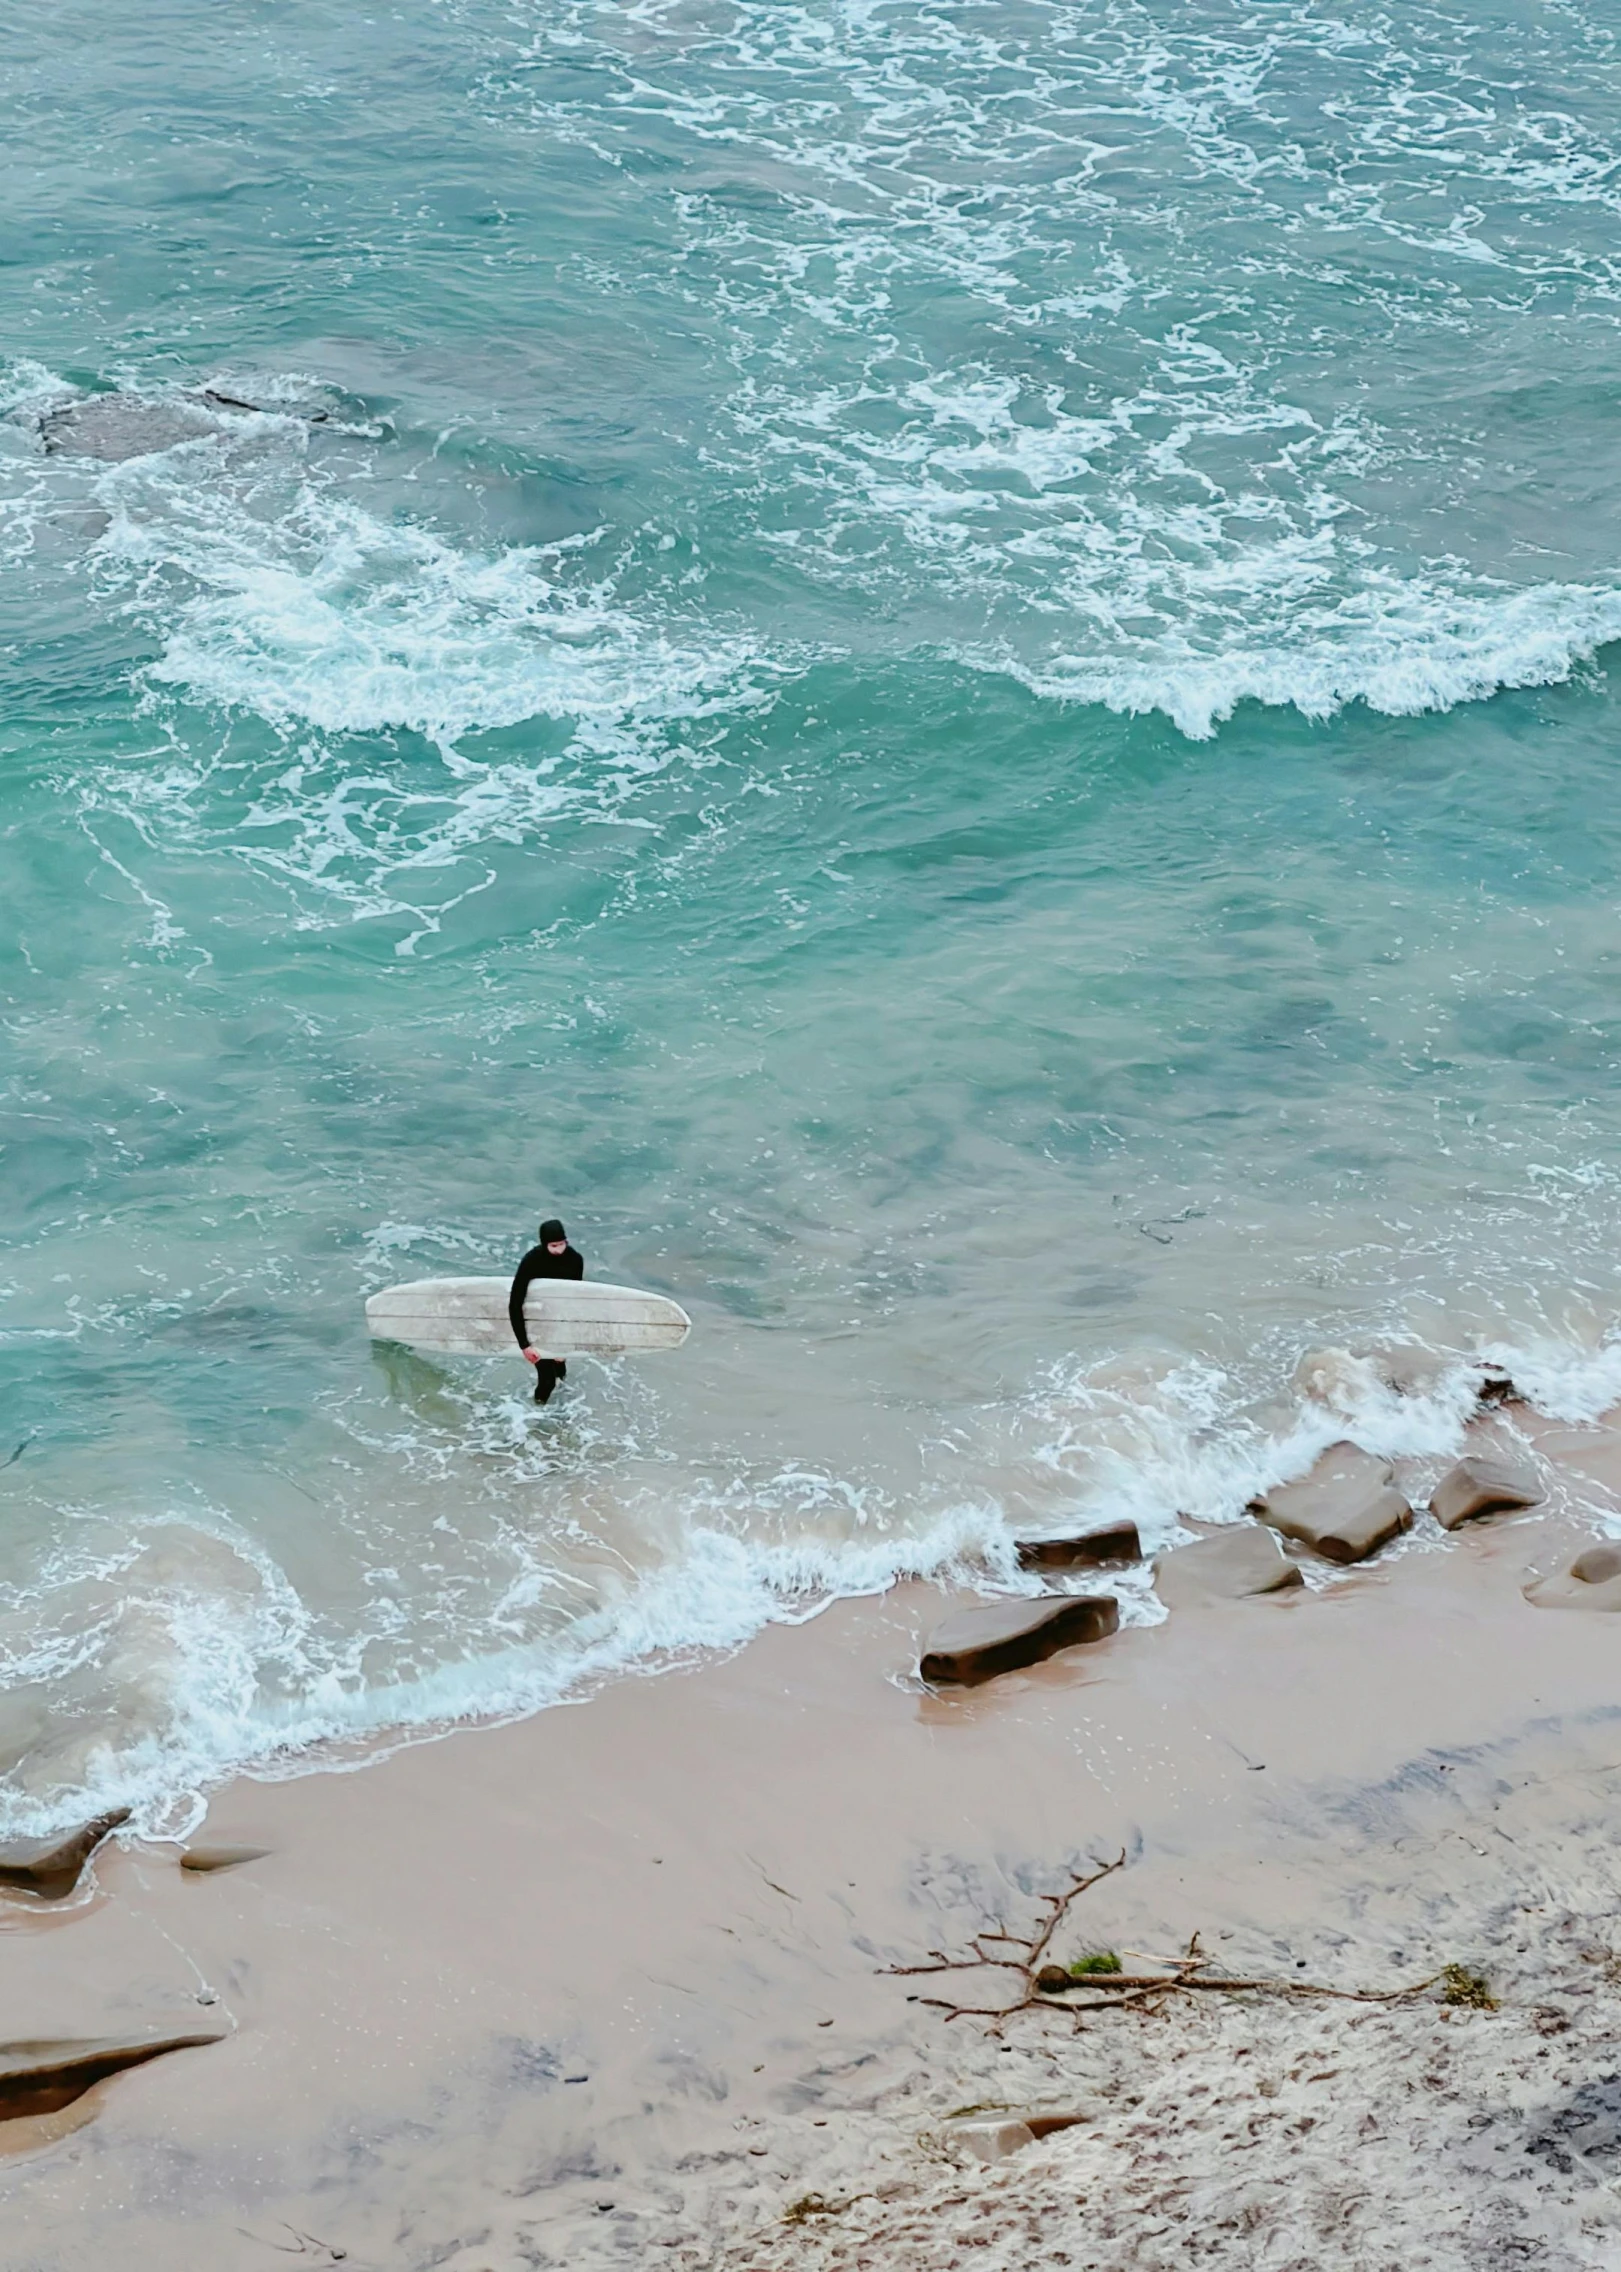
x: 115, y: 427
x: 1591, y: 1581
x: 1228, y: 1566
x: 38, y: 2077
x: 51, y: 1867
x: 977, y: 1644
x: 203, y: 1858
x: 1483, y: 1484
x: 1087, y: 1549
x: 1345, y: 1509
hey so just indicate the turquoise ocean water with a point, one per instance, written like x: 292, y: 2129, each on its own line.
x: 942, y: 669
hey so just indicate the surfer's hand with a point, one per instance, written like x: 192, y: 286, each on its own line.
x: 533, y: 1356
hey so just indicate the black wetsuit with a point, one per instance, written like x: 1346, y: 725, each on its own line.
x: 538, y: 1263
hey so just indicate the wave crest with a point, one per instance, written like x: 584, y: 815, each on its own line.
x: 1400, y: 648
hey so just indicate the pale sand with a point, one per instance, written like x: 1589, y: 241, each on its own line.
x: 685, y: 1890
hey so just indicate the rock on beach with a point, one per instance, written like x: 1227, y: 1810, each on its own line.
x: 206, y: 1859
x: 1227, y: 1566
x: 1089, y: 1549
x: 51, y: 1867
x: 1003, y: 1636
x: 1484, y: 1483
x: 40, y: 2076
x: 1345, y: 1509
x: 1591, y: 1581
x: 992, y: 2137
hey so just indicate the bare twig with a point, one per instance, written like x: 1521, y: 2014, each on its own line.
x: 1048, y: 1989
x: 1026, y: 1967
x: 300, y: 2244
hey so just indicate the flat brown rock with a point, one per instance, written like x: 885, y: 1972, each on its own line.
x: 977, y: 1644
x: 1592, y: 1581
x: 204, y: 1858
x: 50, y: 1867
x: 1227, y: 1566
x: 1085, y: 1549
x: 1345, y: 1509
x: 1483, y: 1484
x: 38, y: 2077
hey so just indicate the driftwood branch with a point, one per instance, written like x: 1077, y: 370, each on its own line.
x: 1048, y: 1989
x: 1186, y: 1978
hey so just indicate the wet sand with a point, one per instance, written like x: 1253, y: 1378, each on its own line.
x: 612, y: 1980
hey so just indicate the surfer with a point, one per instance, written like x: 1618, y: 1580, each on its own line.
x: 552, y: 1258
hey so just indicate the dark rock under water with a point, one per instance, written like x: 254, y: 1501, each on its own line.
x: 115, y: 427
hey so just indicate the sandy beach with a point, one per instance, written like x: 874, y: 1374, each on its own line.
x: 616, y: 1980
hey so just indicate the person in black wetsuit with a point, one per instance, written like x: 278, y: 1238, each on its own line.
x: 552, y: 1258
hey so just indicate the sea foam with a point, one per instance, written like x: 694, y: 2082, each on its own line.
x: 276, y: 591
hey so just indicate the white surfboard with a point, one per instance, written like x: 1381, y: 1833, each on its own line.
x: 566, y: 1317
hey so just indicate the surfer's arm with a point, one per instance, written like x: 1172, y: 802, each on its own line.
x: 520, y: 1287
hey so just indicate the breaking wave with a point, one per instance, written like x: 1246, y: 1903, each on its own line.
x: 1402, y: 650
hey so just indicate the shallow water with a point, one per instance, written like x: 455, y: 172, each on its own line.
x: 940, y: 669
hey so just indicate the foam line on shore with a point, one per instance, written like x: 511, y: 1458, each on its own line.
x: 195, y: 1642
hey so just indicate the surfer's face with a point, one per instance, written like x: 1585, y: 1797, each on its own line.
x: 556, y: 1246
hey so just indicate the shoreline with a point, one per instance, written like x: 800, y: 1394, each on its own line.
x: 158, y: 1724
x: 633, y: 1951
x: 164, y: 1747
